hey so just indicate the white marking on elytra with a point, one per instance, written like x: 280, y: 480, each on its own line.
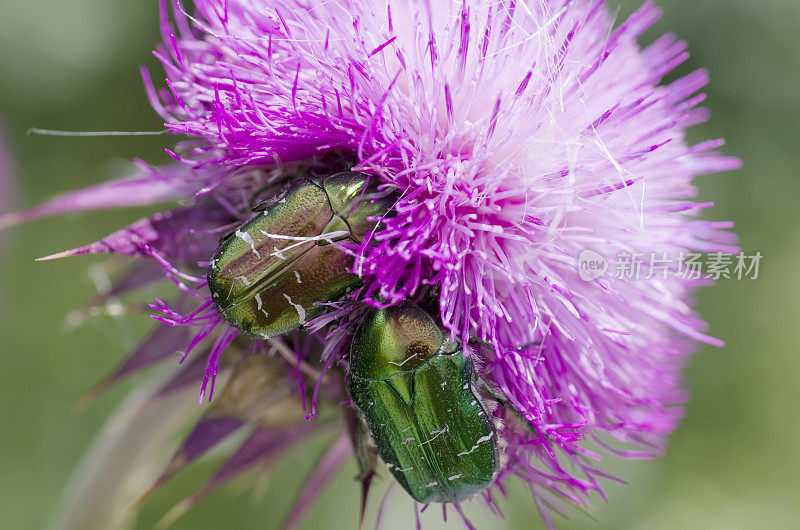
x: 444, y: 383
x: 278, y: 254
x: 431, y: 484
x: 436, y: 434
x: 404, y: 360
x: 301, y: 312
x: 247, y: 238
x: 404, y: 470
x: 244, y: 279
x: 473, y: 402
x: 260, y: 304
x: 454, y: 476
x: 466, y: 386
x: 330, y: 238
x: 409, y: 439
x: 485, y: 438
x: 297, y: 275
x: 477, y: 444
x: 464, y: 453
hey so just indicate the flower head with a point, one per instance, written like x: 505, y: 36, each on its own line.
x: 514, y: 136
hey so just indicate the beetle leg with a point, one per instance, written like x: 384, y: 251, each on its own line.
x: 366, y: 481
x: 227, y: 236
x: 506, y: 403
x: 497, y: 396
x: 366, y: 456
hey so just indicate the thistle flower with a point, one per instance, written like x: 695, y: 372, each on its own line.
x: 514, y: 136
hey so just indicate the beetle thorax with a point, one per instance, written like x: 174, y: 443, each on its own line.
x: 397, y: 339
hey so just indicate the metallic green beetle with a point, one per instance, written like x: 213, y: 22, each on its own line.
x: 268, y: 276
x: 415, y: 393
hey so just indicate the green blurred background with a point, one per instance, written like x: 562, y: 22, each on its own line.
x: 734, y: 462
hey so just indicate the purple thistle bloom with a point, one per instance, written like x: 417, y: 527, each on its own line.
x: 516, y: 136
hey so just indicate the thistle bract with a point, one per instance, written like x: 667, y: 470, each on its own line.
x: 415, y: 392
x: 274, y: 272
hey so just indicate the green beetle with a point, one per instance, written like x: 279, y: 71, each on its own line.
x: 268, y: 276
x: 415, y: 392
